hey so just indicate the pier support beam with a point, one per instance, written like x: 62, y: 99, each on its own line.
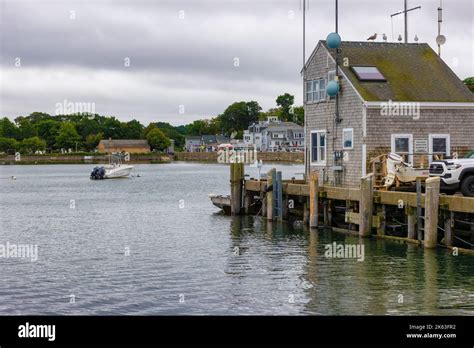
x: 366, y: 205
x: 448, y: 228
x: 236, y: 180
x: 270, y: 205
x: 431, y: 212
x: 313, y: 200
x: 411, y: 222
x: 381, y: 213
x: 305, y: 213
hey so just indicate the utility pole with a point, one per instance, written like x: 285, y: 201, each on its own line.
x: 405, y: 12
x: 306, y: 159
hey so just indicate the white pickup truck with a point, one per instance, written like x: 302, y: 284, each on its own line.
x: 455, y: 174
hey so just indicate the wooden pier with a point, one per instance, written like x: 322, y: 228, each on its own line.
x: 430, y: 219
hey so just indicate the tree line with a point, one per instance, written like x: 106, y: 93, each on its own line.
x: 83, y: 131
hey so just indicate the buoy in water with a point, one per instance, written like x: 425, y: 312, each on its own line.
x: 13, y: 177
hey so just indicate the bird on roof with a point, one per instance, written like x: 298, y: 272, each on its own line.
x: 384, y: 37
x: 416, y: 38
x: 400, y: 37
x: 373, y: 37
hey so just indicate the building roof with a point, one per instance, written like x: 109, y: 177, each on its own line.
x: 193, y: 137
x: 413, y: 72
x: 282, y: 126
x: 124, y: 143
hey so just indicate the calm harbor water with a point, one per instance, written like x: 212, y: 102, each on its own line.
x: 154, y: 244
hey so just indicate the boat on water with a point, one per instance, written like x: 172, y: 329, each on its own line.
x: 115, y: 169
x: 222, y: 202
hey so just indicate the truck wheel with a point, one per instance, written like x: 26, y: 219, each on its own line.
x: 467, y: 186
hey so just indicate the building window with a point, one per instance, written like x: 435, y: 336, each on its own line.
x: 318, y: 147
x: 368, y: 73
x: 347, y: 138
x: 439, y: 146
x: 309, y: 91
x: 402, y: 144
x: 316, y: 90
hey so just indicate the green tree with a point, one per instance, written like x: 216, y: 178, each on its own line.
x: 92, y: 140
x: 67, y: 136
x: 285, y: 101
x: 8, y: 129
x: 48, y: 130
x: 157, y: 139
x: 33, y: 144
x: 238, y: 116
x: 26, y: 129
x: 8, y: 145
x: 132, y: 129
x: 298, y: 115
x: 112, y: 128
x: 469, y: 82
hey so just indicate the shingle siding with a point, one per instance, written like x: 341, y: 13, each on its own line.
x: 321, y: 116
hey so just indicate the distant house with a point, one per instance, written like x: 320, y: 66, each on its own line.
x: 393, y: 97
x: 123, y: 145
x: 192, y: 143
x: 273, y: 135
x: 205, y: 143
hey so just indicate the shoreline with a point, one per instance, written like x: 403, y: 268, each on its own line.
x: 204, y: 157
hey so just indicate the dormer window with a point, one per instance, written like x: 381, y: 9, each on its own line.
x: 368, y: 73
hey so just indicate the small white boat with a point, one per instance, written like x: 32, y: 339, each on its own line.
x: 115, y: 169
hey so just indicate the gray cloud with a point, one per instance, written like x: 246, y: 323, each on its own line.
x: 189, y: 61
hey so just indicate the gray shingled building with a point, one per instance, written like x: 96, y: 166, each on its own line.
x: 394, y: 97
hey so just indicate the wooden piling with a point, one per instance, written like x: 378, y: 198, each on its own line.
x: 366, y: 205
x: 326, y: 213
x: 419, y: 222
x: 431, y: 212
x: 411, y: 222
x: 381, y: 213
x: 305, y: 213
x: 247, y: 202
x: 270, y: 204
x: 448, y: 228
x: 236, y: 180
x: 278, y: 196
x: 313, y: 200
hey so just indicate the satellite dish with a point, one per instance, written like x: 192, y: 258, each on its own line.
x: 441, y: 39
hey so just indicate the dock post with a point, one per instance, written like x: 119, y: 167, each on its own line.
x: 326, y: 213
x: 448, y: 228
x: 236, y: 177
x: 247, y: 202
x: 305, y: 213
x: 366, y: 205
x: 431, y: 212
x: 419, y: 223
x: 279, y: 196
x: 270, y: 204
x: 411, y: 222
x: 313, y: 200
x: 381, y: 213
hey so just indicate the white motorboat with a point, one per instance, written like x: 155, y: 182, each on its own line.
x: 115, y: 169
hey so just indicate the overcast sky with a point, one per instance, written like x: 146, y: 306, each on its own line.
x: 183, y: 54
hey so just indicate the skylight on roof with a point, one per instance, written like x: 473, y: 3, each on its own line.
x: 368, y: 73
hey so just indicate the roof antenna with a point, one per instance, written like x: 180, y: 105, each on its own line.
x: 440, y: 39
x: 405, y: 12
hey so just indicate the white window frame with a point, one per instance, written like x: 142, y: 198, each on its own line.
x: 410, y: 144
x: 319, y: 162
x: 309, y: 92
x: 430, y: 144
x: 352, y: 138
